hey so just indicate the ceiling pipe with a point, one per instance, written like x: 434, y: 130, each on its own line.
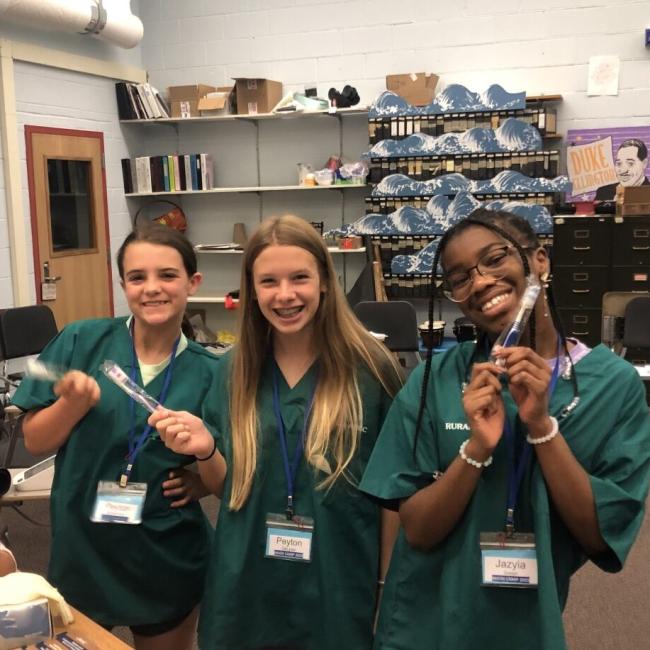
x: 108, y: 20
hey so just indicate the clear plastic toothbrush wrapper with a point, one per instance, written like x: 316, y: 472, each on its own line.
x: 511, y: 335
x: 42, y: 371
x: 121, y: 379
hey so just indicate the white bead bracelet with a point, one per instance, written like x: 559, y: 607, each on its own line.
x: 471, y: 461
x: 548, y: 437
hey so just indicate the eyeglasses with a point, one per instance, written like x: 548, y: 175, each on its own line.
x: 457, y: 285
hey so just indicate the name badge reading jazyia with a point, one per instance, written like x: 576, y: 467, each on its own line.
x: 509, y: 561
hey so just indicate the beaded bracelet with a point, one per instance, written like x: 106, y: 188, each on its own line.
x: 471, y: 461
x: 548, y: 437
x: 211, y: 454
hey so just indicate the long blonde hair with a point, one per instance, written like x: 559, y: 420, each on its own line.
x: 337, y: 413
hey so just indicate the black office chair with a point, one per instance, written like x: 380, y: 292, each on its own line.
x: 398, y: 320
x: 24, y: 331
x: 636, y: 329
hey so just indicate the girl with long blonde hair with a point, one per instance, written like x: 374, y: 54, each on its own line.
x: 296, y: 558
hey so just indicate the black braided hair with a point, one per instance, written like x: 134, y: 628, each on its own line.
x: 502, y: 223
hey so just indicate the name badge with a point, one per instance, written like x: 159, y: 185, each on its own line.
x: 509, y: 561
x: 119, y: 505
x: 289, y: 539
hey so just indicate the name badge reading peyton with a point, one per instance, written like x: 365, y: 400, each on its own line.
x: 119, y: 505
x: 289, y: 539
x: 509, y: 561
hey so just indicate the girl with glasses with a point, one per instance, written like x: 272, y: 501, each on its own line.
x: 509, y: 468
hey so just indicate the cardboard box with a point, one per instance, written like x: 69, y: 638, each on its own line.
x: 633, y: 200
x: 184, y: 100
x: 219, y: 102
x: 417, y: 88
x: 257, y: 95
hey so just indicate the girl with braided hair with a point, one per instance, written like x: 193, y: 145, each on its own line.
x: 509, y: 467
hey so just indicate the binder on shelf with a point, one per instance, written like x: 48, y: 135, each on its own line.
x: 125, y: 108
x: 188, y: 172
x: 195, y: 183
x: 165, y: 167
x: 207, y: 171
x: 177, y: 173
x: 199, y: 177
x: 172, y: 173
x: 157, y: 180
x: 127, y: 177
x: 143, y: 174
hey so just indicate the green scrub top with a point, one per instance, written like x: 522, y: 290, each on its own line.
x: 123, y: 574
x: 252, y: 601
x: 433, y: 600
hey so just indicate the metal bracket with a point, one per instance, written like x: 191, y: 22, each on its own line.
x: 98, y: 18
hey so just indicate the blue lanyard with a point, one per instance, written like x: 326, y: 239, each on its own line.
x: 137, y: 442
x: 516, y: 469
x: 290, y: 470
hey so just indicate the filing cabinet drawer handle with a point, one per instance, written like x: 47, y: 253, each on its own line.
x: 582, y: 248
x: 641, y: 248
x: 581, y: 290
x: 581, y: 333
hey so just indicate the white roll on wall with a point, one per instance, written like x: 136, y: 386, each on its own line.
x: 121, y: 28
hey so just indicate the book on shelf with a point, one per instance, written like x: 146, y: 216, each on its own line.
x: 172, y: 173
x: 207, y: 171
x: 177, y: 173
x: 143, y: 174
x: 154, y: 110
x: 127, y: 177
x: 139, y: 102
x: 188, y: 172
x: 199, y: 176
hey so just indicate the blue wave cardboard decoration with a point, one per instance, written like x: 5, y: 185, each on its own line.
x: 505, y: 182
x: 420, y: 263
x: 455, y: 98
x: 440, y: 214
x: 511, y: 135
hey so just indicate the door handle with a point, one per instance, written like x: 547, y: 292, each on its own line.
x: 46, y: 274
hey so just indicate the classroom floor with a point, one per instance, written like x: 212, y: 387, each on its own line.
x: 605, y: 611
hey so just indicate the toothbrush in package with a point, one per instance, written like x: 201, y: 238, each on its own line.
x: 121, y: 379
x: 511, y: 335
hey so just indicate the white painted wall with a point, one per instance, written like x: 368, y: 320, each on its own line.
x: 541, y: 46
x: 56, y: 98
x: 71, y: 100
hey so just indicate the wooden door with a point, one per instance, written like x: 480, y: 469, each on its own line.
x: 67, y: 192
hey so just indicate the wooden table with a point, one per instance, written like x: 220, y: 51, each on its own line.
x: 86, y: 631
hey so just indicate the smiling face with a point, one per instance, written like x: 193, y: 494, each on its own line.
x: 156, y: 283
x: 491, y: 303
x: 288, y: 287
x: 629, y: 169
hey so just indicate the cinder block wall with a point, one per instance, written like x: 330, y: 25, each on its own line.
x: 541, y: 46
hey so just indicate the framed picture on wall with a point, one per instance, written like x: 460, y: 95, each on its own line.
x: 599, y: 160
